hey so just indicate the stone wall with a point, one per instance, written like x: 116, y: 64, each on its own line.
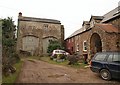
x: 40, y: 31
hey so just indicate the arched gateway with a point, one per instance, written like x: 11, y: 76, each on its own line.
x: 95, y: 44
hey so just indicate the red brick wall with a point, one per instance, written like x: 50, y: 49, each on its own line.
x: 70, y: 45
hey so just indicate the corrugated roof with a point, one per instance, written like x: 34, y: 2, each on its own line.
x: 108, y: 28
x: 112, y: 14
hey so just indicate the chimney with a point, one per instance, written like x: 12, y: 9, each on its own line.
x: 20, y: 14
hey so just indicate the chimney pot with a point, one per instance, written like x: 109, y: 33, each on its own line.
x: 20, y: 14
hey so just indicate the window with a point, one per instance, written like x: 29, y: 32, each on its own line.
x: 84, y: 46
x: 50, y: 40
x: 100, y: 57
x: 110, y: 58
x: 116, y: 57
x: 77, y: 48
x: 72, y: 48
x: 45, y: 26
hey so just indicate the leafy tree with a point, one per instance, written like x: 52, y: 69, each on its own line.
x: 54, y: 45
x: 8, y: 43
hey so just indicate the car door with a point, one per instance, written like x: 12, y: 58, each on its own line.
x: 99, y: 61
x: 114, y: 64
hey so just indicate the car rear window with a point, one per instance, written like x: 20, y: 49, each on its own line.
x: 116, y: 58
x: 100, y: 57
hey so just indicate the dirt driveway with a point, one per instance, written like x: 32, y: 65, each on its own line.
x: 43, y: 72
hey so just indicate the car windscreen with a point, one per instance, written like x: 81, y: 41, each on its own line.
x: 56, y: 51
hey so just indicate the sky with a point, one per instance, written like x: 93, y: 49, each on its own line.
x: 71, y: 13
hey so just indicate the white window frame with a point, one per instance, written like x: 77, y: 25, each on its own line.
x: 77, y: 47
x: 84, y: 45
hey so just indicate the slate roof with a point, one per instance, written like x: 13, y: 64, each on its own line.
x: 23, y: 18
x: 96, y: 18
x: 85, y: 22
x: 112, y: 14
x: 108, y: 28
x: 76, y: 32
x: 105, y: 27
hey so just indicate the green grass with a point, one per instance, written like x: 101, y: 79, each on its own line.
x: 12, y: 78
x: 47, y: 59
x: 64, y: 63
x: 31, y: 57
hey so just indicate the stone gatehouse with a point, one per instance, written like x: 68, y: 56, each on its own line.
x: 34, y: 34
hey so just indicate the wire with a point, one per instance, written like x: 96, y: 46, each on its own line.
x: 8, y: 8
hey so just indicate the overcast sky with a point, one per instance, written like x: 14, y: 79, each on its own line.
x: 71, y: 13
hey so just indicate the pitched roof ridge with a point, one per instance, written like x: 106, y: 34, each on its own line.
x: 40, y: 18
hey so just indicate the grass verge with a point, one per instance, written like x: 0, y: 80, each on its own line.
x: 64, y: 63
x: 47, y: 59
x: 12, y: 78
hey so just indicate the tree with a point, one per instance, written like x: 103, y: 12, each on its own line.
x: 54, y: 45
x: 8, y: 43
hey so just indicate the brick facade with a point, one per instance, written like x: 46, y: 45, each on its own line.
x: 101, y: 33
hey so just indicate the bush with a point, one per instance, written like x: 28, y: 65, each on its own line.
x: 8, y: 69
x: 73, y: 59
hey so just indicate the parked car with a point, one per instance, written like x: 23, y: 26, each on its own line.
x: 107, y: 64
x: 59, y: 52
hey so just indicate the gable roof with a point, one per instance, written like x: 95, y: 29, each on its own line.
x: 96, y: 18
x: 85, y: 22
x: 112, y: 14
x: 108, y: 28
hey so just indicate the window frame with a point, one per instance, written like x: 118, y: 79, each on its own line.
x: 84, y: 45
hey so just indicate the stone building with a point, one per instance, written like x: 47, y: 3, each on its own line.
x: 100, y: 33
x: 34, y: 34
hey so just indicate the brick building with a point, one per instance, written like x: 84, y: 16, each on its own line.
x: 100, y: 33
x: 34, y: 34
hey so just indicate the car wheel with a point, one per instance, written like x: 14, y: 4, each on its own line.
x: 105, y: 74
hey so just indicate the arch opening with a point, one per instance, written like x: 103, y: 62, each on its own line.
x: 95, y: 44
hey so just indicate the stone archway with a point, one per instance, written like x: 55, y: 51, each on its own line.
x: 46, y: 41
x: 95, y: 44
x: 30, y: 44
